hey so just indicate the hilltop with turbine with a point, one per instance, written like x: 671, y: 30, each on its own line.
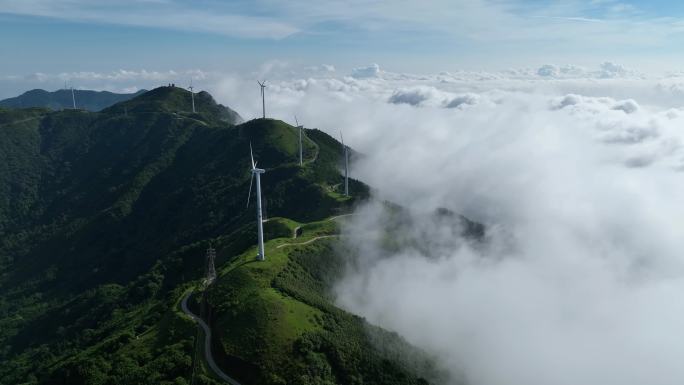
x: 105, y: 222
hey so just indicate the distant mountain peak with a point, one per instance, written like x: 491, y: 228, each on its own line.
x: 176, y: 100
x: 61, y: 99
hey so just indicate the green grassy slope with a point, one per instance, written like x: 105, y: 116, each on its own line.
x: 276, y: 323
x: 105, y: 218
x: 178, y: 101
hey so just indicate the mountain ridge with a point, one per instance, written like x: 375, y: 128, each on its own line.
x: 105, y: 217
x: 62, y: 99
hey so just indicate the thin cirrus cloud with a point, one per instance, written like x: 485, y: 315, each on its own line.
x: 475, y: 20
x: 164, y: 14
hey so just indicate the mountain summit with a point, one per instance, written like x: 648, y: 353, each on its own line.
x: 176, y: 100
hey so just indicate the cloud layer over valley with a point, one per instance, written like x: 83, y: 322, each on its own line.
x: 578, y: 180
x: 577, y: 175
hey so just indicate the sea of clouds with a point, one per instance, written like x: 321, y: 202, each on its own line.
x: 577, y: 174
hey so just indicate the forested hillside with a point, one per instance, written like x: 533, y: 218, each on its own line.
x: 104, y: 221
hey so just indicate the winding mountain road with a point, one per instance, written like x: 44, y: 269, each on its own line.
x: 207, y: 342
x: 318, y: 149
x: 207, y: 331
x: 307, y: 242
x: 296, y: 229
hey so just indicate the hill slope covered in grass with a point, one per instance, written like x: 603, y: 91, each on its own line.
x: 104, y: 220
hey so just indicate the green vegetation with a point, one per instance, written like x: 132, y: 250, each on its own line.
x: 61, y: 99
x: 104, y: 219
x: 277, y: 324
x: 178, y: 102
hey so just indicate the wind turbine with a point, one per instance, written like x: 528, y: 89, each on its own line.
x: 301, y: 128
x: 192, y: 95
x: 260, y: 224
x: 73, y: 97
x: 263, y: 99
x: 346, y: 167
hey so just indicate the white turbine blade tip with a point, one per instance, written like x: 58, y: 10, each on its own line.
x: 251, y: 155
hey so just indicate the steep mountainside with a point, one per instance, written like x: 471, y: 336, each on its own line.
x: 61, y: 99
x: 104, y: 220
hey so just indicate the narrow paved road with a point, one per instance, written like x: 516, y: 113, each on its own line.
x: 318, y: 149
x: 296, y: 229
x: 294, y: 232
x: 340, y: 216
x: 307, y: 242
x: 207, y: 342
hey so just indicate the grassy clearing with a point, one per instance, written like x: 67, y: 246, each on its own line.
x: 276, y: 322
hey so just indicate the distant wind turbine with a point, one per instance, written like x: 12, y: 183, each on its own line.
x: 262, y: 84
x: 192, y: 95
x: 346, y: 167
x: 301, y: 128
x: 260, y: 224
x: 73, y: 97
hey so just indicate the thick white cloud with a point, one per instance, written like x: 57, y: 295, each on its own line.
x: 611, y: 70
x: 416, y: 96
x: 371, y: 71
x: 578, y: 177
x: 579, y: 183
x: 628, y: 106
x: 463, y: 100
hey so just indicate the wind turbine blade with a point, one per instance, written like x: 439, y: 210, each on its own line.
x: 296, y: 121
x: 251, y: 155
x: 251, y: 179
x: 342, y: 138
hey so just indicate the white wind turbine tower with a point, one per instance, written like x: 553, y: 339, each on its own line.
x: 260, y: 224
x: 263, y: 98
x: 301, y: 128
x: 346, y: 167
x: 73, y: 97
x: 192, y: 95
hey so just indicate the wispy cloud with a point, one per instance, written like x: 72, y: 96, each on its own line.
x: 166, y: 14
x: 472, y: 19
x: 570, y: 18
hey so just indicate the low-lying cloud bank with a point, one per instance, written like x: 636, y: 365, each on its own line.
x: 579, y: 184
x: 576, y: 173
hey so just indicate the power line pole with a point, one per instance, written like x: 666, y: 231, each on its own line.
x: 210, y: 269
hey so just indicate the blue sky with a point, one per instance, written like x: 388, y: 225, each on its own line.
x: 53, y: 36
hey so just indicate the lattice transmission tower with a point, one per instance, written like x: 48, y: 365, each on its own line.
x: 210, y: 270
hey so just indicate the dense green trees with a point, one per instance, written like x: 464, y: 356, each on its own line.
x: 104, y: 219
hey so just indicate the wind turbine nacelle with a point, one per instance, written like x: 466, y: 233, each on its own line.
x: 258, y: 171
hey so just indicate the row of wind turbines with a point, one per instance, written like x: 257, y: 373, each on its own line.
x: 256, y: 174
